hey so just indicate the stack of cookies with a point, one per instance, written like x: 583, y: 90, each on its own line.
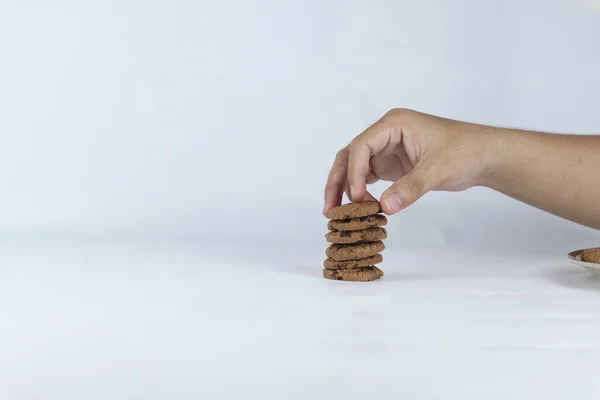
x: 356, y: 236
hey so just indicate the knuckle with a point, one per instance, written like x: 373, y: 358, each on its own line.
x: 341, y: 154
x: 393, y: 111
x: 398, y: 113
x: 361, y: 140
x: 356, y: 141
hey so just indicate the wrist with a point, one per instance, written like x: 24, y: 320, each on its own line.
x: 497, y: 146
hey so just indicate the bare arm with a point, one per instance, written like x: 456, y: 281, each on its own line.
x: 559, y: 174
x: 420, y: 152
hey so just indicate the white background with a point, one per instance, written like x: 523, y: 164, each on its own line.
x: 162, y: 166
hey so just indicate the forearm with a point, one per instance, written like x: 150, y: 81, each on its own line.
x: 556, y: 173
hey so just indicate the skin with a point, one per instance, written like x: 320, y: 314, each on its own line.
x: 419, y: 152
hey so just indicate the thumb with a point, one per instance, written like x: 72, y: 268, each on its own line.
x: 408, y: 189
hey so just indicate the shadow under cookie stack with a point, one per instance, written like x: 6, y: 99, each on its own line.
x: 356, y: 236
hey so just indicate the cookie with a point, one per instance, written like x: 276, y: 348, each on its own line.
x: 356, y: 224
x: 366, y: 235
x: 354, y: 210
x: 354, y: 275
x: 591, y: 255
x: 330, y: 263
x: 342, y: 252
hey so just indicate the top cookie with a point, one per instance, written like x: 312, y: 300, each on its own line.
x: 354, y: 210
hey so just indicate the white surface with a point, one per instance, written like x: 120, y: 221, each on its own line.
x: 96, y: 320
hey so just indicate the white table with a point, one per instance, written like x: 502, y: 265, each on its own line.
x: 88, y: 319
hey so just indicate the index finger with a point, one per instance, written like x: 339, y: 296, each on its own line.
x: 367, y: 144
x: 336, y: 182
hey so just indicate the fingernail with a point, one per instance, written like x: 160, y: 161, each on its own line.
x: 393, y: 203
x: 352, y: 192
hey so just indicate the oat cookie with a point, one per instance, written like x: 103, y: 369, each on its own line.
x: 330, y: 263
x: 342, y: 252
x: 366, y: 235
x: 356, y: 224
x: 354, y: 275
x: 354, y: 210
x: 591, y: 255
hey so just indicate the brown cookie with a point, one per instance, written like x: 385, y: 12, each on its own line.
x: 366, y: 235
x: 330, y: 263
x: 354, y: 210
x: 356, y: 224
x: 342, y: 252
x: 354, y: 275
x: 591, y: 255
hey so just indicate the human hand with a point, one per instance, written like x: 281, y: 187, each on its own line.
x: 416, y: 151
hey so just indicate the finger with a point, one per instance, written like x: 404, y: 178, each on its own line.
x: 334, y: 188
x: 368, y: 144
x: 408, y: 189
x: 371, y: 178
x: 368, y: 196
